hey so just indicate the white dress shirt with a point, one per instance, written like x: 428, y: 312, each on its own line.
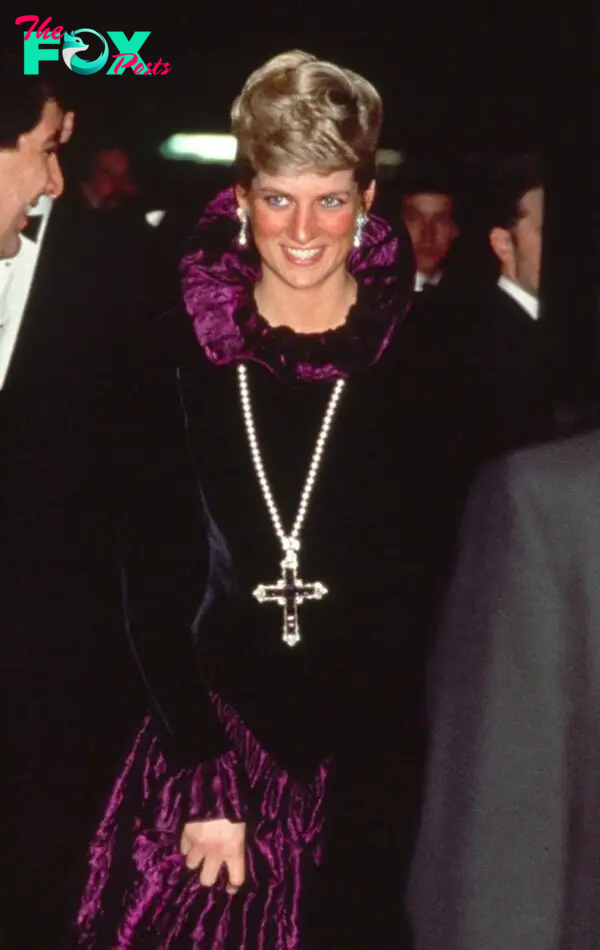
x: 422, y: 281
x: 527, y: 301
x: 16, y: 279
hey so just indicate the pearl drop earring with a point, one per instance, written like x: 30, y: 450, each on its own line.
x: 243, y: 233
x: 360, y: 223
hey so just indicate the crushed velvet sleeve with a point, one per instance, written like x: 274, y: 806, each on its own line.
x: 214, y: 790
x: 164, y: 555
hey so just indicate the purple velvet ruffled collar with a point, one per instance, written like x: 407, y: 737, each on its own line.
x: 218, y: 279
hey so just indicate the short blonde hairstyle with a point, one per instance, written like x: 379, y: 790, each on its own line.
x: 297, y: 112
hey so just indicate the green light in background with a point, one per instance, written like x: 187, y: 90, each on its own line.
x: 387, y: 156
x: 210, y: 148
x: 204, y: 148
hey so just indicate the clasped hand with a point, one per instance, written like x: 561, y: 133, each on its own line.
x: 208, y: 845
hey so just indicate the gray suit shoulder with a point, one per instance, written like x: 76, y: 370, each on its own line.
x: 567, y: 465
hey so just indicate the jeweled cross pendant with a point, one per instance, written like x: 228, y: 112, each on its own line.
x: 289, y: 592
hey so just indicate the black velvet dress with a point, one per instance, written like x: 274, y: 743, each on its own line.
x: 317, y: 746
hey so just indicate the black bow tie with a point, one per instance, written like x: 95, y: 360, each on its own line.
x: 32, y: 229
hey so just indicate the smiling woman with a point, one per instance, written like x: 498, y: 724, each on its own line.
x: 307, y: 135
x: 276, y: 453
x: 304, y: 226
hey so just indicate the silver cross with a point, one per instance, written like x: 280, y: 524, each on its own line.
x: 289, y: 592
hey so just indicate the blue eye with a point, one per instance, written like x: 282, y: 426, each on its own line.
x: 276, y: 201
x: 331, y: 202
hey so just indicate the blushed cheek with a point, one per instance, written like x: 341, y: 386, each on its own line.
x: 340, y: 226
x: 266, y: 225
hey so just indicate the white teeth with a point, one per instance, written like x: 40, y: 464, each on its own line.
x: 303, y: 254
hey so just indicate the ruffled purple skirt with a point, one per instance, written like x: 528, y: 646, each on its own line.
x: 139, y: 893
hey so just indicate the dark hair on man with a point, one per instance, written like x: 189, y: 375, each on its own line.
x: 94, y: 147
x: 510, y: 184
x: 22, y: 99
x: 426, y: 179
x: 431, y: 175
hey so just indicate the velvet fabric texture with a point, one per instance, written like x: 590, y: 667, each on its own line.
x: 158, y: 902
x: 294, y: 742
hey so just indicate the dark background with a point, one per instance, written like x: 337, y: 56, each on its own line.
x: 451, y: 74
x: 456, y: 79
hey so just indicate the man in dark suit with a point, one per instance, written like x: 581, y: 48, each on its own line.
x: 65, y: 317
x: 508, y: 849
x: 507, y: 347
x: 429, y: 213
x: 482, y: 328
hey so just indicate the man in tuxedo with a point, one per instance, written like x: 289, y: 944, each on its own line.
x: 429, y: 214
x: 507, y: 346
x: 33, y: 125
x: 432, y: 201
x: 29, y: 166
x: 508, y: 848
x: 65, y: 316
x: 484, y: 331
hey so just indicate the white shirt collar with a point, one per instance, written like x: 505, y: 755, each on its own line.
x: 422, y: 281
x: 527, y: 301
x: 5, y: 269
x: 16, y: 278
x: 154, y: 218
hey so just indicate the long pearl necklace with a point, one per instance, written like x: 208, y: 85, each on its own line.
x: 289, y: 591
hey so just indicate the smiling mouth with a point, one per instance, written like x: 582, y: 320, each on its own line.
x: 303, y: 255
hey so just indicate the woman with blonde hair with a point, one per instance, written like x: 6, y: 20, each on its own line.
x: 268, y: 591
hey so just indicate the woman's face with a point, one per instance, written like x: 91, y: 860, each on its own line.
x: 303, y: 224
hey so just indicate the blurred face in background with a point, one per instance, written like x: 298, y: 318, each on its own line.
x: 111, y: 182
x: 29, y: 171
x: 430, y: 223
x: 520, y: 248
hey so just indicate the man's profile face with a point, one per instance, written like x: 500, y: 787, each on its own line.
x: 520, y: 249
x: 29, y: 171
x: 430, y: 223
x: 527, y: 241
